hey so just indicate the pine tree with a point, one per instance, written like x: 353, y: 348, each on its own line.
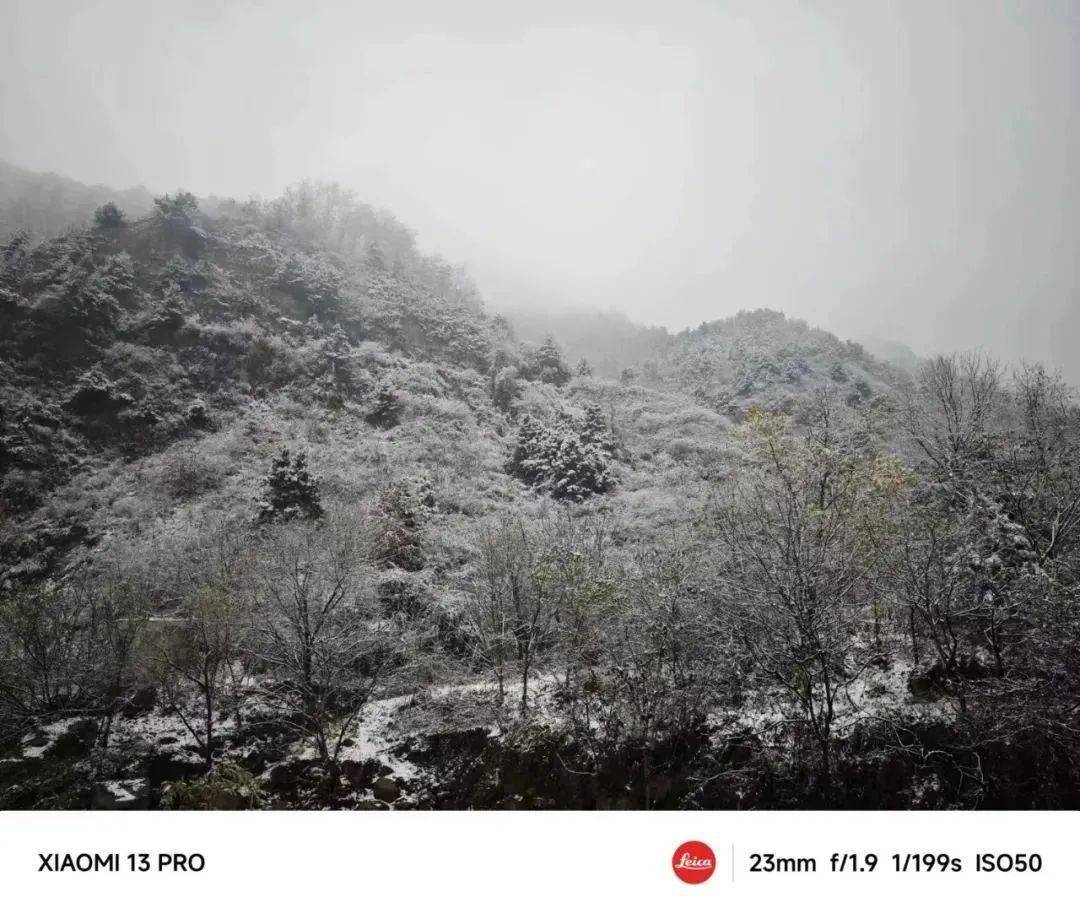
x: 108, y: 215
x: 374, y: 258
x: 523, y: 461
x: 558, y: 460
x: 290, y: 490
x: 405, y: 508
x: 595, y: 430
x: 547, y: 364
x: 386, y: 411
x: 505, y: 388
x: 180, y: 207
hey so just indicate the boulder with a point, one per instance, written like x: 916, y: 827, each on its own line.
x: 386, y: 789
x: 358, y: 774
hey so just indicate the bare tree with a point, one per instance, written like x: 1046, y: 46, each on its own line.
x: 582, y: 590
x: 120, y: 606
x: 317, y: 627
x: 800, y: 533
x: 46, y: 652
x: 927, y: 574
x: 197, y: 651
x: 951, y: 412
x: 658, y: 675
x: 1037, y: 470
x: 510, y: 613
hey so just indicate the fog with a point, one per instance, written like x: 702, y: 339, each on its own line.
x: 906, y: 171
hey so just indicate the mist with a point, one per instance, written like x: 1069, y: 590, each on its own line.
x: 905, y: 171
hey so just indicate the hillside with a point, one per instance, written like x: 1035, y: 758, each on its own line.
x: 288, y: 519
x: 45, y: 205
x: 198, y: 347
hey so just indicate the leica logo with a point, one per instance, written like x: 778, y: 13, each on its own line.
x: 693, y: 862
x: 686, y: 861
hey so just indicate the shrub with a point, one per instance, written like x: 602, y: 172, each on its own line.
x: 185, y: 473
x: 228, y: 787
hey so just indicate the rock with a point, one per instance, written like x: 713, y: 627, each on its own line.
x: 359, y: 775
x: 121, y: 795
x: 386, y: 789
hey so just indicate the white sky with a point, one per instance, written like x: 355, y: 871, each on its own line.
x: 904, y: 170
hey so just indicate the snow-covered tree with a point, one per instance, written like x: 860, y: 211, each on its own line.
x: 546, y: 363
x: 566, y: 461
x: 178, y: 207
x: 290, y: 490
x: 108, y: 215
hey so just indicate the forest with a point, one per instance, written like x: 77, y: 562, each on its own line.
x: 291, y: 518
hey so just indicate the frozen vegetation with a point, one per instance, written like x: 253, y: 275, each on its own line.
x: 288, y: 518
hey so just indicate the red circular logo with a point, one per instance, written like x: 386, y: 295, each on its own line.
x: 694, y: 862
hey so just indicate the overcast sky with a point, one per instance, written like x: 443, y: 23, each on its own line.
x: 906, y: 170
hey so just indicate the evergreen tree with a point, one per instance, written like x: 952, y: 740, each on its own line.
x: 374, y: 258
x: 505, y: 388
x: 560, y: 461
x: 180, y: 207
x: 405, y: 507
x: 546, y: 364
x: 386, y: 411
x: 595, y: 430
x: 108, y: 215
x: 290, y: 490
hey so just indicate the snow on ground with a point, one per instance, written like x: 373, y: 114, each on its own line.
x: 124, y: 790
x: 876, y: 692
x: 35, y: 744
x: 374, y: 734
x: 390, y: 721
x: 386, y: 723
